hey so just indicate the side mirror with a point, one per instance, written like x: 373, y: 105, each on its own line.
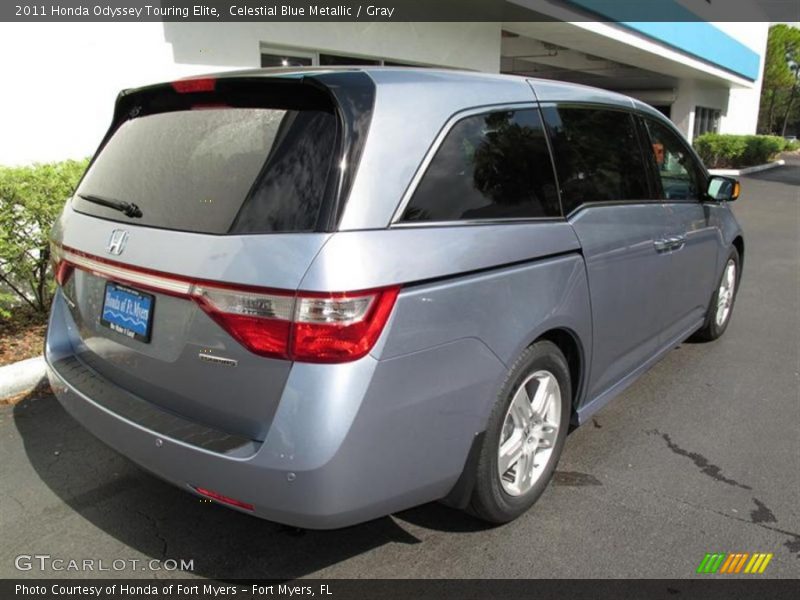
x: 723, y: 189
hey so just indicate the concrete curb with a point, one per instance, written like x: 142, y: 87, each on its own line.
x: 21, y: 377
x: 748, y: 170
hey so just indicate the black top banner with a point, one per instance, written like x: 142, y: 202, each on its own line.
x: 404, y: 10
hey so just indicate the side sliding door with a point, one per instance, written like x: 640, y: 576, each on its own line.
x: 608, y: 196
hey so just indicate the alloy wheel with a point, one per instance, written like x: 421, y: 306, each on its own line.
x: 725, y: 294
x: 530, y: 431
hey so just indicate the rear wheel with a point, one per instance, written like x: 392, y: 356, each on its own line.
x: 721, y: 307
x: 525, y: 435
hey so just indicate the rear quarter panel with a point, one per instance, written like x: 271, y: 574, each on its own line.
x: 500, y: 286
x: 473, y: 298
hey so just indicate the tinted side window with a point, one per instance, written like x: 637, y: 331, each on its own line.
x: 490, y: 166
x: 680, y: 178
x: 597, y: 155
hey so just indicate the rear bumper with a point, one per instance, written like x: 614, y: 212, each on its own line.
x: 348, y: 443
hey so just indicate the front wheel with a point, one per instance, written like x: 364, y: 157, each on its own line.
x: 525, y: 435
x: 721, y: 307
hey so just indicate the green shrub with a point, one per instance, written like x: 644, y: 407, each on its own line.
x: 792, y: 146
x: 736, y: 151
x: 31, y: 199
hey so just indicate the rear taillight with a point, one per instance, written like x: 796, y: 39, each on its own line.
x: 302, y: 326
x: 308, y: 327
x: 61, y: 268
x: 339, y: 327
x: 260, y: 322
x: 62, y: 272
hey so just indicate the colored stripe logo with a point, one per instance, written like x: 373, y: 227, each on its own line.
x: 736, y: 562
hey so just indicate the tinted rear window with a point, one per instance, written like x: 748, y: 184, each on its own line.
x: 217, y: 170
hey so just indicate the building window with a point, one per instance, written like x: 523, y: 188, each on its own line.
x: 330, y: 60
x: 285, y: 60
x: 292, y: 57
x: 706, y: 120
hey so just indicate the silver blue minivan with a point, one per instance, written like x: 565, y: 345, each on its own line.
x: 320, y: 296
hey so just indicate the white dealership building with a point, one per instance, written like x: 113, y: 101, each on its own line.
x: 61, y: 78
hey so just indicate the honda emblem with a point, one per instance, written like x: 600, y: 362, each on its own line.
x: 116, y: 243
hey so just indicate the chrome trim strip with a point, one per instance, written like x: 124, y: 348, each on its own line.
x: 472, y: 222
x: 101, y: 269
x: 437, y: 142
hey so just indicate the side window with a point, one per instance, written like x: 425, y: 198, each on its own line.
x: 680, y: 176
x: 597, y: 155
x: 490, y: 166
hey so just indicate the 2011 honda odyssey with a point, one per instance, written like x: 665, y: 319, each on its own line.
x: 323, y: 295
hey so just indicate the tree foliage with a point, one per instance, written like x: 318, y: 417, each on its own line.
x: 31, y: 199
x: 780, y: 89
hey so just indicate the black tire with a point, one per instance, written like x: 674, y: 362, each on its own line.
x: 711, y: 330
x: 489, y: 500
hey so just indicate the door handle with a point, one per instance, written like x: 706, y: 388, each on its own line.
x: 661, y: 245
x: 676, y: 242
x: 672, y: 243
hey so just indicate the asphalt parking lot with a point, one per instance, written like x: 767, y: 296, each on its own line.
x: 700, y: 455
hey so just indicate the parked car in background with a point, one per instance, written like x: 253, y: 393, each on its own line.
x: 320, y: 296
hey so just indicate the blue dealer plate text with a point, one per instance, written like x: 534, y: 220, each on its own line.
x: 127, y: 311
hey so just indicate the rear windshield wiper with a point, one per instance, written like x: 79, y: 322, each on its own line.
x: 129, y: 209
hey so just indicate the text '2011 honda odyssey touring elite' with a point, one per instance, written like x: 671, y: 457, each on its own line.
x: 320, y: 296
